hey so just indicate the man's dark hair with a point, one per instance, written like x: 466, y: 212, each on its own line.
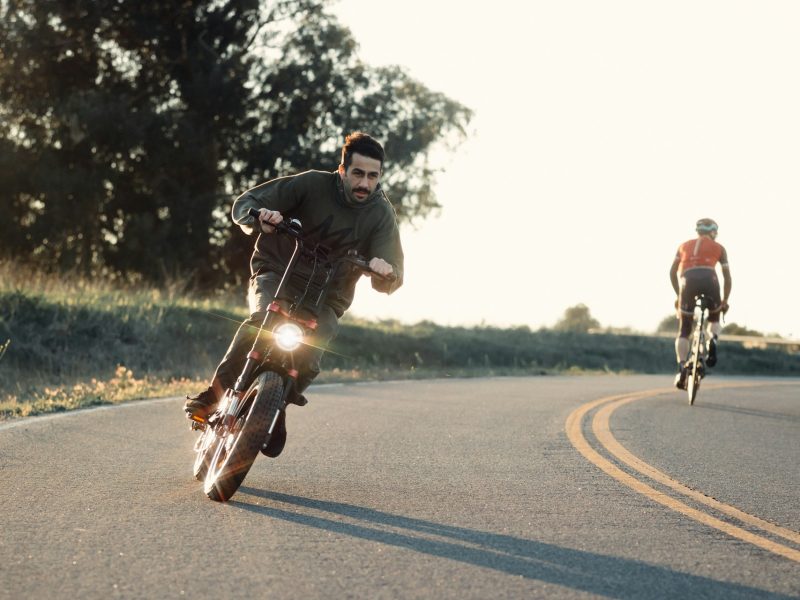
x: 363, y: 144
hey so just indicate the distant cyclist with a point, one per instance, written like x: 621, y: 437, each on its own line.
x: 694, y: 272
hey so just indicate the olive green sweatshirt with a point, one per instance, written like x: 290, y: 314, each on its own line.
x: 318, y: 200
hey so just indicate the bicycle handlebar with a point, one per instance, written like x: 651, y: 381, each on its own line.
x: 281, y: 227
x: 355, y: 258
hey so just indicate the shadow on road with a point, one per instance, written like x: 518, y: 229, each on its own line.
x: 753, y: 412
x: 609, y: 576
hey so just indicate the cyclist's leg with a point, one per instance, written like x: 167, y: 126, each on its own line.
x: 686, y: 319
x: 682, y: 344
x: 260, y: 294
x: 713, y: 326
x: 309, y: 359
x: 711, y: 290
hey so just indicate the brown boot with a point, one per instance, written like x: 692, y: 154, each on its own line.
x: 202, y: 405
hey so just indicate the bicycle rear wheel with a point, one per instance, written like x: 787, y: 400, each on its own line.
x: 696, y: 364
x: 696, y: 374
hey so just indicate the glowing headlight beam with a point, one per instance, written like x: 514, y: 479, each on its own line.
x: 288, y: 336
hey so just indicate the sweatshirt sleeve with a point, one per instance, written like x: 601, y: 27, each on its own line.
x: 284, y: 194
x: 385, y: 244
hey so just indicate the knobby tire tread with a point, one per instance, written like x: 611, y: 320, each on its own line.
x: 237, y: 464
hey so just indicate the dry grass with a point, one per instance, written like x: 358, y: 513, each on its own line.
x: 122, y: 387
x: 109, y: 291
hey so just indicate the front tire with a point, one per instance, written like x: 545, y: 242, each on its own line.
x: 205, y: 448
x: 236, y: 451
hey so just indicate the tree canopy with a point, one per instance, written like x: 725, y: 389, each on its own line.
x: 736, y: 329
x: 668, y: 324
x: 127, y: 128
x: 577, y: 319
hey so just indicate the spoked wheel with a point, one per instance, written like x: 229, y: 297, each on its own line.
x: 204, y: 448
x: 236, y: 450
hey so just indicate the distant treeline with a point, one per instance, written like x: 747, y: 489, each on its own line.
x: 426, y: 345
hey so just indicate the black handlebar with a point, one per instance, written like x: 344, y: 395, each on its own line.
x: 281, y: 227
x: 294, y: 229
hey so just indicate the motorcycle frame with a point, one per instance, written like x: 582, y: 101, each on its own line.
x: 262, y: 355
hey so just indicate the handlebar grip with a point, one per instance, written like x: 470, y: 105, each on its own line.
x: 360, y: 262
x: 363, y: 264
x: 391, y: 277
x: 256, y: 214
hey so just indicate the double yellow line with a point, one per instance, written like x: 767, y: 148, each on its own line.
x: 602, y: 431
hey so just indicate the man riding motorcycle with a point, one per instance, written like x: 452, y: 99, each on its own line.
x: 693, y: 272
x: 343, y: 210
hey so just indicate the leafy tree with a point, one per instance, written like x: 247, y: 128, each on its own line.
x: 736, y: 329
x: 668, y: 324
x: 577, y: 319
x: 126, y: 128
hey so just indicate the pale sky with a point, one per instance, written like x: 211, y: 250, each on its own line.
x: 602, y: 132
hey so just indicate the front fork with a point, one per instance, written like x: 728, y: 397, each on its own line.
x: 231, y: 402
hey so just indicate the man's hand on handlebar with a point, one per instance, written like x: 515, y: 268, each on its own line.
x: 266, y: 216
x: 381, y: 267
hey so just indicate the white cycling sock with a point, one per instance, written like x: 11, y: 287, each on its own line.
x: 681, y: 349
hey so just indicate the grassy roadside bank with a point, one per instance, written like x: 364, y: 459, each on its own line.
x: 72, y: 344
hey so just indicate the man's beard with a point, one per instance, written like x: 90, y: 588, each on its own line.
x: 350, y: 193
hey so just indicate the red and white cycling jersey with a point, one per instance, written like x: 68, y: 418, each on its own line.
x: 700, y: 253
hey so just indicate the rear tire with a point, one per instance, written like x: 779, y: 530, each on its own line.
x: 694, y: 382
x: 234, y: 454
x: 695, y: 376
x: 696, y: 361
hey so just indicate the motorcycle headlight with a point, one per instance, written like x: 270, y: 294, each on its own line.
x: 288, y: 335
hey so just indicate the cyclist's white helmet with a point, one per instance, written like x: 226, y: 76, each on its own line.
x: 707, y: 227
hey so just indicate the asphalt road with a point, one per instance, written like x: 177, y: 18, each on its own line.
x: 481, y: 488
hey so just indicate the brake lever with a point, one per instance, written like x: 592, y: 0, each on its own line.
x: 281, y: 227
x: 363, y: 264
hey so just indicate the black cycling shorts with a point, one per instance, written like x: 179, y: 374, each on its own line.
x: 693, y: 283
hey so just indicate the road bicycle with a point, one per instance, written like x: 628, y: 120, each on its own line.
x: 242, y: 425
x: 696, y: 365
